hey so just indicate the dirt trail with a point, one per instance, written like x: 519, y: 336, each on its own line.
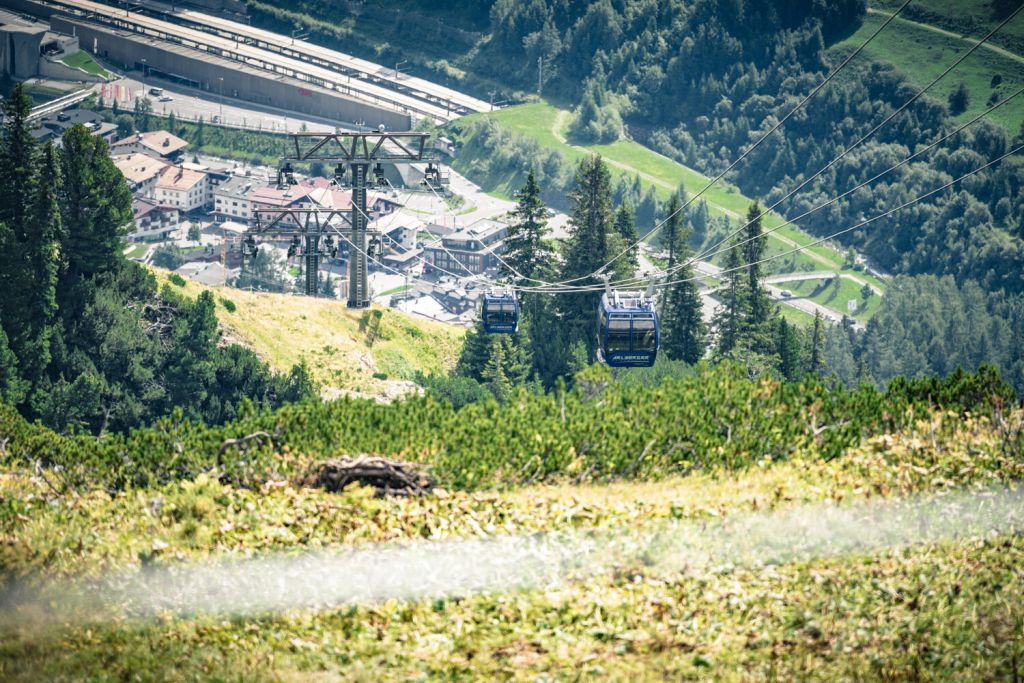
x: 941, y: 31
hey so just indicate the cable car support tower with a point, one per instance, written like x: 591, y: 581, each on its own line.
x: 360, y: 153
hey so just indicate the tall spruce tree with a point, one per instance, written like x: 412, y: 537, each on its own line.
x: 787, y: 346
x: 527, y: 251
x: 531, y: 255
x: 757, y: 328
x: 96, y: 207
x: 625, y: 228
x: 587, y: 250
x: 18, y: 168
x: 815, y: 353
x: 28, y: 233
x: 731, y: 315
x: 12, y: 387
x: 38, y: 285
x: 682, y: 325
x: 672, y: 229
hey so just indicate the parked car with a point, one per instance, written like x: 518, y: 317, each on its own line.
x: 166, y: 98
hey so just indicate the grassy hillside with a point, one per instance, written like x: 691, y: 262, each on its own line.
x: 548, y: 126
x: 973, y: 18
x: 949, y: 610
x: 361, y: 351
x: 922, y: 53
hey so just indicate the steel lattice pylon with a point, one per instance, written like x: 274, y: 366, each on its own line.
x: 359, y: 150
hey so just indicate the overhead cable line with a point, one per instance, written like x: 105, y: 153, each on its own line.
x: 668, y: 283
x: 714, y: 249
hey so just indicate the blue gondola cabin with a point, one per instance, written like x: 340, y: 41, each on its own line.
x: 628, y: 330
x: 500, y: 313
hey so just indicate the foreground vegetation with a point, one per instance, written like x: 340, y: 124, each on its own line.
x: 947, y: 611
x: 597, y: 430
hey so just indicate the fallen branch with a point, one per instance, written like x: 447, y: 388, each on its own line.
x: 389, y: 477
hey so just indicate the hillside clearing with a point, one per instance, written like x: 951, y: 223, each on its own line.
x: 374, y: 352
x: 967, y: 18
x: 922, y: 53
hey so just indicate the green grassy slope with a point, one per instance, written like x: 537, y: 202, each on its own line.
x: 344, y: 348
x: 971, y: 18
x: 951, y: 609
x: 922, y: 54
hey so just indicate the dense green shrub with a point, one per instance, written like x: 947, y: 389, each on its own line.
x: 715, y: 418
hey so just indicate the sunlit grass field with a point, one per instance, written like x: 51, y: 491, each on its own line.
x: 345, y: 349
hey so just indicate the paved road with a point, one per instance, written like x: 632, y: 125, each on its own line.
x: 821, y: 275
x: 799, y: 303
x: 189, y: 104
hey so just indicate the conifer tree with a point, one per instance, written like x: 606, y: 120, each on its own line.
x: 28, y: 251
x: 39, y: 279
x: 816, y: 347
x: 759, y: 308
x: 526, y: 250
x: 731, y: 315
x: 684, y: 329
x: 682, y: 326
x: 493, y: 373
x: 529, y: 253
x: 18, y: 156
x: 625, y: 227
x: 12, y: 386
x: 475, y: 353
x: 787, y: 347
x: 673, y: 229
x: 587, y: 249
x: 699, y: 221
x: 96, y: 207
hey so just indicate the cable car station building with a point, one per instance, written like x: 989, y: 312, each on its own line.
x: 471, y: 249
